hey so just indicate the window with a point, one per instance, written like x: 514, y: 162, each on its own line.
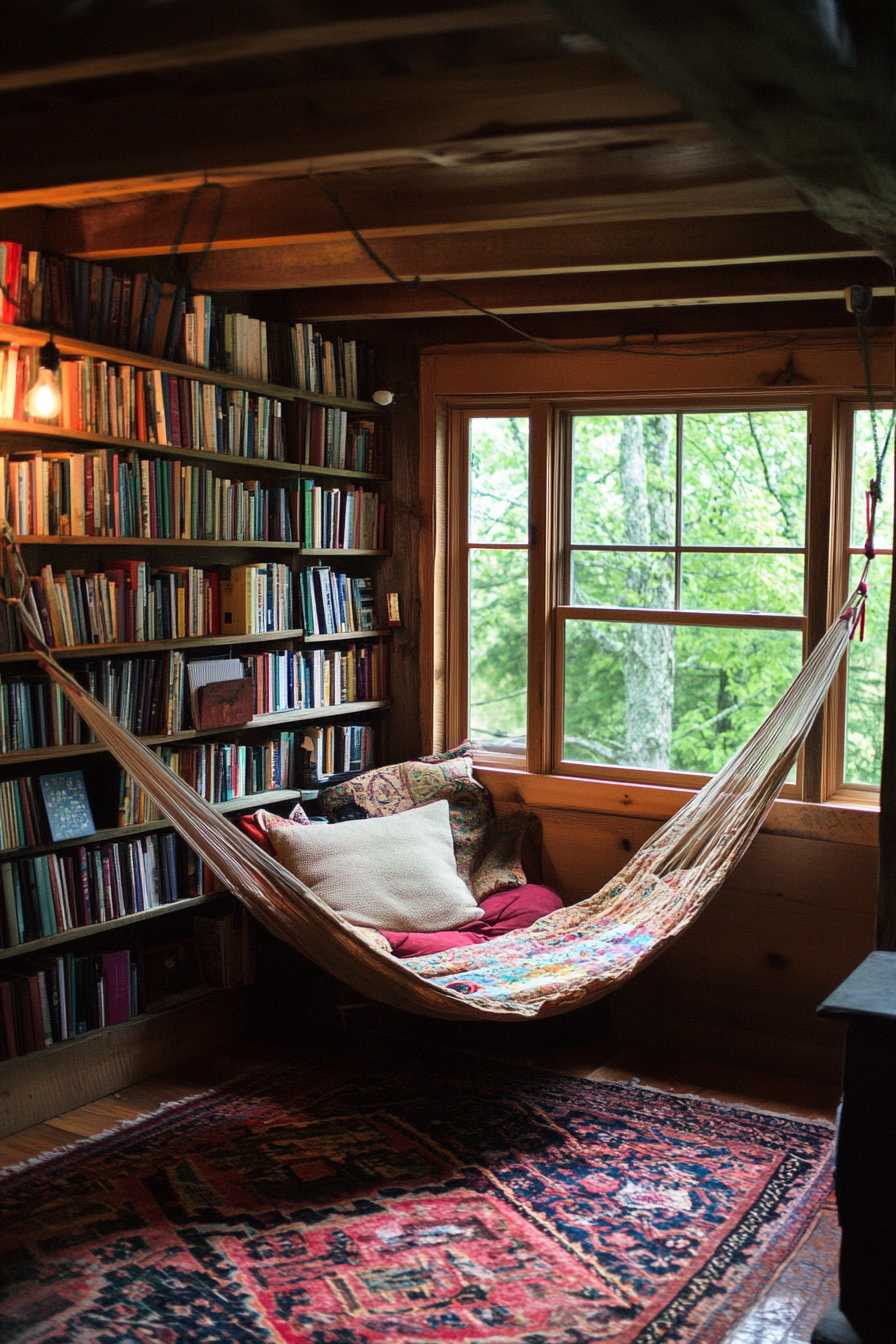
x: 631, y: 585
x: 498, y: 578
x: 686, y: 583
x: 863, y: 738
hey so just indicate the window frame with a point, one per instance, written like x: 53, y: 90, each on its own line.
x: 830, y: 411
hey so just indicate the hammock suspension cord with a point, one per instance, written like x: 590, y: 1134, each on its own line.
x: 668, y: 882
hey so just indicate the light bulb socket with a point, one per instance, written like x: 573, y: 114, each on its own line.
x: 49, y: 356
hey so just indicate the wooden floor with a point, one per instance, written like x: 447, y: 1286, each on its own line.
x: 786, y: 1313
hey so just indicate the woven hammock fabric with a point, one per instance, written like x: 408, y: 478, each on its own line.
x: 565, y: 959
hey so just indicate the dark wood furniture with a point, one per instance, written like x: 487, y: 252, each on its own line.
x: 866, y: 1157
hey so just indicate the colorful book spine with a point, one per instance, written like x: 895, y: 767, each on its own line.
x: 218, y: 771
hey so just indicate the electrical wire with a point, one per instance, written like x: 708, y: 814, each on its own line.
x: 552, y: 347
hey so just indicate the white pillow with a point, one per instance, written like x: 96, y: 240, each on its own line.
x: 393, y: 872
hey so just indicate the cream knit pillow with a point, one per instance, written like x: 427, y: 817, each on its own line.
x: 393, y: 872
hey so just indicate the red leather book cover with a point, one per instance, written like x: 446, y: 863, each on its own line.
x: 223, y: 704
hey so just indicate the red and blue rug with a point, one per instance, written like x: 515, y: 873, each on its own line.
x: 476, y: 1203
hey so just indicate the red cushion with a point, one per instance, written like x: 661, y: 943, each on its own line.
x: 502, y: 912
x: 248, y: 824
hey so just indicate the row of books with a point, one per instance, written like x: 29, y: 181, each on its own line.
x: 335, y: 604
x: 23, y: 818
x: 333, y: 438
x: 147, y: 406
x: 287, y: 679
x: 219, y: 772
x: 86, y: 299
x: 85, y: 885
x: 142, y: 313
x: 110, y: 494
x: 58, y: 997
x: 352, y: 519
x: 257, y: 600
x: 336, y: 749
x: 126, y: 602
x: 148, y: 695
x: 37, y: 811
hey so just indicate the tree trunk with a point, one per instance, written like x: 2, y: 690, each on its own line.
x: 646, y: 443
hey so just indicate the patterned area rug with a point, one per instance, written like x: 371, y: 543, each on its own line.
x: 476, y: 1203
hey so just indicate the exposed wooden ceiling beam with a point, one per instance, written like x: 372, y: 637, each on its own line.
x: 808, y: 88
x: 782, y: 282
x: 530, y: 251
x: 768, y: 196
x: 263, y: 42
x: 126, y: 146
x: 679, y: 169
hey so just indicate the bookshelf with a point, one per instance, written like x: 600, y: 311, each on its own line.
x: 165, y: 545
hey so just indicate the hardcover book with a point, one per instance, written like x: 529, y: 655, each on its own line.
x: 68, y: 810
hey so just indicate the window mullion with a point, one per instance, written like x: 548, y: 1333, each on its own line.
x: 679, y: 503
x: 542, y: 579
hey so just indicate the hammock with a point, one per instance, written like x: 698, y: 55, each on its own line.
x: 567, y: 958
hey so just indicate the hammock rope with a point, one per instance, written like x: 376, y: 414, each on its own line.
x: 564, y: 960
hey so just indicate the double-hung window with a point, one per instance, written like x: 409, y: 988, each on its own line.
x: 631, y: 587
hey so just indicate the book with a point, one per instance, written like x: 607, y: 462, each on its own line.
x: 67, y: 806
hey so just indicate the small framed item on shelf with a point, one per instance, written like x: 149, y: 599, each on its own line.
x: 222, y: 693
x: 67, y: 805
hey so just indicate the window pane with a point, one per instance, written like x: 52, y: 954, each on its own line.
x: 670, y: 698
x: 865, y: 684
x: 863, y: 471
x: 498, y: 648
x: 499, y: 479
x: 744, y: 478
x: 771, y: 583
x: 623, y: 479
x: 622, y: 579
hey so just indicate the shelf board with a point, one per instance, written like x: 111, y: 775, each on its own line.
x: 86, y: 439
x: 348, y: 634
x: 196, y: 734
x: 305, y: 470
x: 153, y: 646
x: 71, y: 345
x: 112, y: 834
x: 89, y: 930
x: 176, y: 541
x: 337, y: 550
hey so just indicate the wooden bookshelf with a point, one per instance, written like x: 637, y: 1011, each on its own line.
x: 70, y: 1072
x: 336, y: 551
x: 157, y: 646
x: 347, y: 634
x: 181, y: 542
x: 246, y: 803
x: 87, y: 439
x: 108, y: 925
x: 279, y: 719
x: 69, y: 345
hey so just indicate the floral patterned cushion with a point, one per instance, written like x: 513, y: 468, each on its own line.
x: 394, y: 788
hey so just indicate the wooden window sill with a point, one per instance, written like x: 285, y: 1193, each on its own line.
x: 851, y: 821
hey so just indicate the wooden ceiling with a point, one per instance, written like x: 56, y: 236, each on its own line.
x: 497, y: 151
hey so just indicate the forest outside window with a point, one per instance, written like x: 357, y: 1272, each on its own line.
x: 684, y: 622
x: 632, y: 589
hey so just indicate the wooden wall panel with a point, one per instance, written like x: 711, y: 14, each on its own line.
x: 743, y: 983
x: 50, y: 1082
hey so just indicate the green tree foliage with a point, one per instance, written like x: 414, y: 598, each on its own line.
x: 680, y: 697
x: 868, y: 658
x: 499, y: 515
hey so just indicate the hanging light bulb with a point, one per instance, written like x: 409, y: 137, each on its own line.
x: 44, y: 401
